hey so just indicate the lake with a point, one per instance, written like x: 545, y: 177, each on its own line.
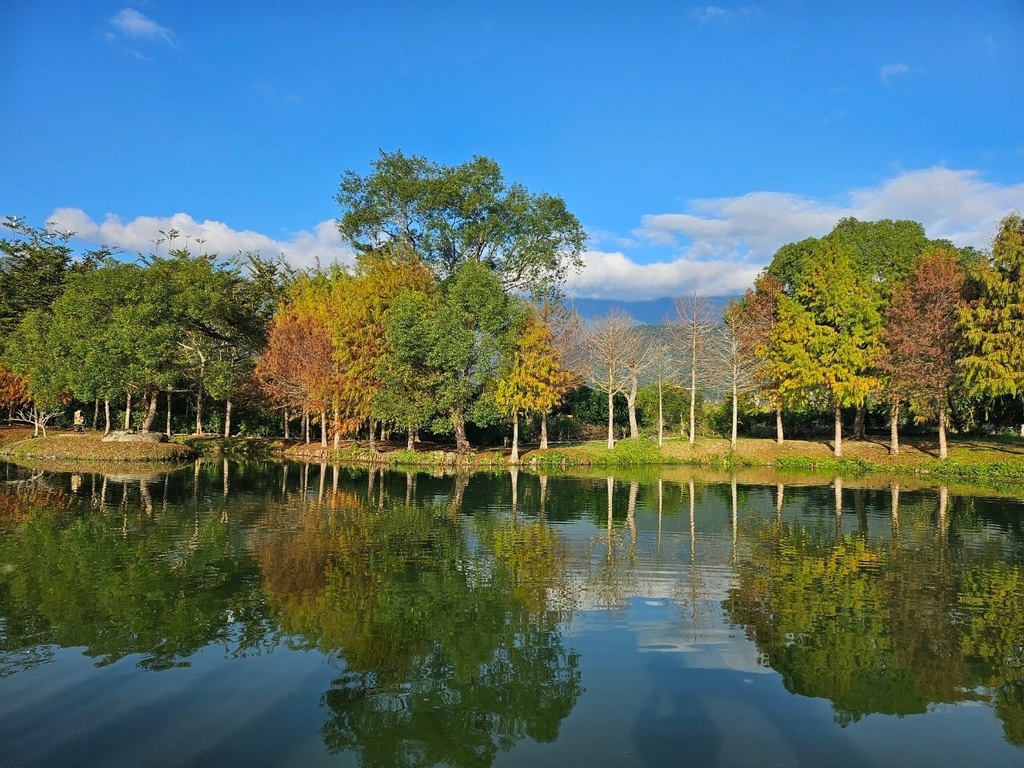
x: 271, y: 614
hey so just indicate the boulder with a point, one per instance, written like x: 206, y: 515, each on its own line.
x: 121, y: 436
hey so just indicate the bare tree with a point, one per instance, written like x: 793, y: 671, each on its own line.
x: 36, y: 417
x: 733, y: 360
x: 664, y: 371
x: 603, y: 358
x: 693, y: 326
x: 639, y: 355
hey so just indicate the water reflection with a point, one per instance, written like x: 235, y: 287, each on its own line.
x: 446, y: 608
x: 933, y: 613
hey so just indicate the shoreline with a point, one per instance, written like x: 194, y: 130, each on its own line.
x: 989, y: 460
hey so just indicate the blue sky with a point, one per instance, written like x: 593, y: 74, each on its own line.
x: 691, y: 140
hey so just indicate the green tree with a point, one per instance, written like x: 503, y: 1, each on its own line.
x: 842, y: 325
x: 449, y: 349
x: 408, y: 375
x: 34, y: 264
x: 449, y: 215
x: 881, y: 252
x: 993, y: 324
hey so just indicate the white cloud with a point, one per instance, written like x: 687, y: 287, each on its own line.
x: 889, y: 71
x: 722, y: 243
x: 716, y: 244
x: 616, y: 276
x: 301, y: 249
x: 131, y: 23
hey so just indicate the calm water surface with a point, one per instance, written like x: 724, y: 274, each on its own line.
x: 289, y: 615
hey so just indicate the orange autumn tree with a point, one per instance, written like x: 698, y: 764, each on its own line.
x: 13, y: 390
x: 922, y: 339
x: 534, y: 379
x: 296, y: 369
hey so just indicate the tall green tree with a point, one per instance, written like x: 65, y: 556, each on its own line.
x: 222, y: 308
x: 449, y: 215
x: 34, y: 264
x: 993, y: 324
x: 881, y: 252
x: 828, y: 337
x: 408, y: 374
x: 455, y: 343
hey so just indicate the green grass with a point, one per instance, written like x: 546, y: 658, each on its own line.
x: 626, y: 453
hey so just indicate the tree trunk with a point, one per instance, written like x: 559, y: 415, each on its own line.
x: 305, y: 426
x: 514, y: 458
x: 693, y: 399
x: 96, y: 413
x: 943, y: 451
x: 199, y: 409
x: 147, y: 423
x: 461, y: 441
x: 858, y: 422
x: 227, y: 418
x: 168, y: 413
x: 106, y: 411
x: 286, y: 427
x: 323, y: 427
x: 128, y: 411
x: 634, y: 429
x: 779, y: 437
x: 894, y: 429
x: 373, y: 438
x: 544, y: 431
x: 611, y: 418
x: 661, y: 414
x: 337, y: 428
x: 410, y: 441
x: 839, y: 431
x: 735, y: 412
x: 458, y: 489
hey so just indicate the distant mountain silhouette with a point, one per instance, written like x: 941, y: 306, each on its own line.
x: 653, y: 312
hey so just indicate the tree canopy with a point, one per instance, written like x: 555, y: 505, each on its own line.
x: 448, y: 215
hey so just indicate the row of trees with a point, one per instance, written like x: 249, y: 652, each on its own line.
x: 450, y: 321
x: 877, y: 314
x: 97, y: 330
x: 445, y: 319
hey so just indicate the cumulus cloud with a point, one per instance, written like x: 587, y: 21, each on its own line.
x: 889, y: 71
x: 132, y: 24
x: 722, y: 243
x: 302, y: 249
x: 616, y: 276
x: 717, y: 245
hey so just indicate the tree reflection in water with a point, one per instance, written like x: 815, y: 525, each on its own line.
x: 886, y: 625
x: 448, y: 653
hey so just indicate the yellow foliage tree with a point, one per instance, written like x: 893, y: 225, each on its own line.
x: 534, y: 381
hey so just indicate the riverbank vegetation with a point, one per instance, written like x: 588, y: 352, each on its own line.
x: 449, y: 333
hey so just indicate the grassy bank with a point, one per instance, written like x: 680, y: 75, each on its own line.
x: 18, y: 443
x: 988, y: 461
